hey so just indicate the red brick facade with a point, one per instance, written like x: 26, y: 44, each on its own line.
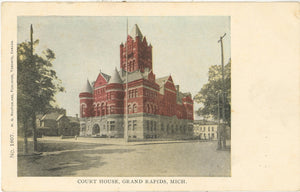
x: 146, y: 94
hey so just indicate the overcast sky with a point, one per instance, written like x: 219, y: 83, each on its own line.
x: 184, y: 47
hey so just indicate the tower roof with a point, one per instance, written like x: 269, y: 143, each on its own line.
x: 101, y: 80
x: 106, y: 77
x: 115, y: 78
x: 87, y: 88
x: 136, y: 32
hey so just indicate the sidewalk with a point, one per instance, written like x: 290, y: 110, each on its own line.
x: 112, y: 141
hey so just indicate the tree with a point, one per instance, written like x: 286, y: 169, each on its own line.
x: 37, y: 84
x: 211, y: 94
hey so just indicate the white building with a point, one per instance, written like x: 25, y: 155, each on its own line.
x: 205, y: 130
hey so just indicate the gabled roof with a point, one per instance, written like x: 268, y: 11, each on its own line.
x: 52, y: 116
x: 87, y: 88
x: 115, y: 77
x: 102, y: 79
x: 106, y: 77
x: 132, y: 76
x: 161, y: 81
x: 59, y: 117
x: 136, y: 32
x: 170, y: 78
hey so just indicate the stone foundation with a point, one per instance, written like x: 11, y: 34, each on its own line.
x: 140, y: 126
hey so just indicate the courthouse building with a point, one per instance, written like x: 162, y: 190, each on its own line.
x: 156, y: 107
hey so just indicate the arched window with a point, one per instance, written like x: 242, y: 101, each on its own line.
x: 129, y: 63
x: 102, y: 109
x: 82, y: 109
x: 148, y: 108
x: 134, y: 108
x: 133, y: 64
x: 129, y: 109
x: 98, y: 110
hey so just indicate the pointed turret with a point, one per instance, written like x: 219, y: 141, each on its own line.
x: 87, y: 88
x: 86, y: 100
x: 115, y: 77
x: 136, y: 32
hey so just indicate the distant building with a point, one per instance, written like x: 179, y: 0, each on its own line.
x: 56, y: 124
x: 156, y: 108
x: 205, y: 130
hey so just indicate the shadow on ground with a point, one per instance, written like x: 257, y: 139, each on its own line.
x: 63, y: 160
x: 48, y: 146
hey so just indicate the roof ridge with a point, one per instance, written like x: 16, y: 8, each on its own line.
x: 136, y: 32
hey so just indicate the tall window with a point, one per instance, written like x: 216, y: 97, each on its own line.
x: 129, y: 109
x: 102, y: 109
x: 134, y: 125
x: 147, y: 125
x: 135, y: 93
x: 132, y: 93
x: 112, y: 125
x: 111, y: 109
x: 133, y: 62
x: 134, y: 108
x: 98, y: 110
x: 129, y: 125
x: 108, y: 96
x: 151, y: 126
x: 82, y: 109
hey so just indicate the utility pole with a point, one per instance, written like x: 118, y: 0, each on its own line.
x: 223, y: 131
x: 219, y: 130
x: 126, y: 94
x: 31, y: 41
x: 33, y: 113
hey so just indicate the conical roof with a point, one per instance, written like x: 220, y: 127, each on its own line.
x: 115, y: 78
x: 87, y: 88
x: 136, y: 32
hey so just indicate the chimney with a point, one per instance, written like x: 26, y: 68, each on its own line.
x: 177, y: 90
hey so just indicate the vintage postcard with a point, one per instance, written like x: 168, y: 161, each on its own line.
x: 150, y: 96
